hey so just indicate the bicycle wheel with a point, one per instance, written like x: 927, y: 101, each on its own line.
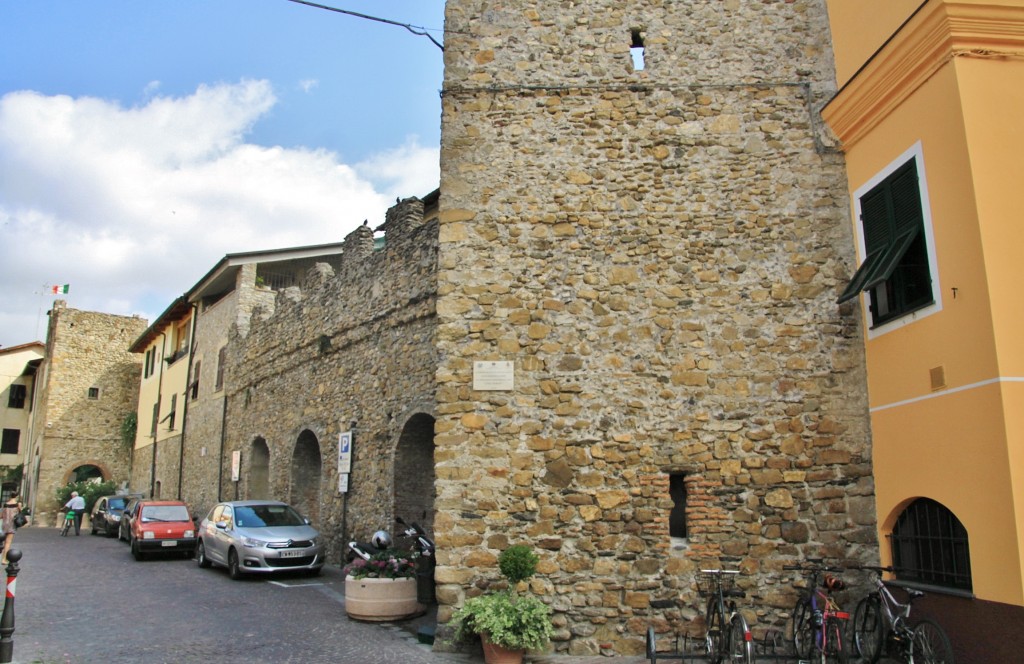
x: 64, y: 530
x: 803, y: 630
x: 834, y: 650
x: 868, y: 630
x: 930, y: 644
x: 741, y: 645
x: 716, y: 637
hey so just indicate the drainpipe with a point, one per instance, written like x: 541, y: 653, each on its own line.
x: 184, y: 410
x: 223, y: 436
x: 156, y: 425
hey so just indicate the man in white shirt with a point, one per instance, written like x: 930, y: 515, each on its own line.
x: 77, y: 504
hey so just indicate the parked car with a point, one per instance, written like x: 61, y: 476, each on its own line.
x: 106, y: 515
x: 124, y: 531
x: 162, y: 526
x: 258, y: 536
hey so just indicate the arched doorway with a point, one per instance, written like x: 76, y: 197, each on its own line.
x: 259, y: 470
x: 414, y: 472
x: 306, y: 470
x: 86, y: 472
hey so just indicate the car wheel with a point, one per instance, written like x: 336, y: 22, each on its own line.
x: 92, y: 528
x: 120, y: 534
x: 136, y: 552
x: 201, y: 558
x: 234, y: 571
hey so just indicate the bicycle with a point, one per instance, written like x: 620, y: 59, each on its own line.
x: 882, y: 623
x: 728, y: 636
x: 69, y: 520
x: 818, y: 630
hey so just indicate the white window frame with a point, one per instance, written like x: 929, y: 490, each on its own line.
x: 916, y: 153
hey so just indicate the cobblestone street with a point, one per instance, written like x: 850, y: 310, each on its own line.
x: 85, y: 599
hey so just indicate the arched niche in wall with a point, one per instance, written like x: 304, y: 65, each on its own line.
x: 414, y: 472
x: 307, y: 465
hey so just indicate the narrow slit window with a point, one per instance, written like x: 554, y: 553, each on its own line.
x: 677, y: 518
x: 636, y: 49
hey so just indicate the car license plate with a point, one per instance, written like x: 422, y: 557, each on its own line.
x: 169, y: 543
x: 293, y: 553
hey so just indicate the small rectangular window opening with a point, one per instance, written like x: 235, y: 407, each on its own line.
x: 636, y: 49
x: 677, y: 517
x: 94, y: 393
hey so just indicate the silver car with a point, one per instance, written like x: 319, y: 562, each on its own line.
x: 258, y: 536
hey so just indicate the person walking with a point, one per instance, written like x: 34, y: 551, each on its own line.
x: 7, y: 526
x: 77, y: 503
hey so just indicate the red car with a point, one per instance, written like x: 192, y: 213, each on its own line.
x: 162, y: 526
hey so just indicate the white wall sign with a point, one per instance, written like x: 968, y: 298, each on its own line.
x: 236, y: 465
x: 343, y: 483
x: 493, y: 376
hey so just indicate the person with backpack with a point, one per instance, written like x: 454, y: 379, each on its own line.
x: 9, y: 522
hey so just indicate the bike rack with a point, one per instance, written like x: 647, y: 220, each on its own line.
x: 772, y: 646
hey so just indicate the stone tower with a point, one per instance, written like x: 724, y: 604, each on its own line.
x: 643, y: 369
x: 86, y: 387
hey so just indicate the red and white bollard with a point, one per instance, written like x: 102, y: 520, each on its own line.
x: 7, y: 620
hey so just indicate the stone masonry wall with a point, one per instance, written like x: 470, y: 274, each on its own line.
x: 85, y: 350
x: 658, y: 252
x: 352, y: 345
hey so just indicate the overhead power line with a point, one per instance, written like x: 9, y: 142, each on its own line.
x: 416, y: 30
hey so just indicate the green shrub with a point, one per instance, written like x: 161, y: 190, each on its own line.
x: 511, y: 620
x: 516, y: 622
x: 91, y: 491
x: 517, y: 563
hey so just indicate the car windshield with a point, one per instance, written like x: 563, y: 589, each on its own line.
x: 164, y: 513
x: 265, y: 516
x: 115, y: 504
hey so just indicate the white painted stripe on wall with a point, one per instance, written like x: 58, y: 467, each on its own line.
x: 942, y: 393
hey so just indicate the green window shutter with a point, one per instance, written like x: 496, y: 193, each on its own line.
x: 906, y: 200
x: 876, y: 220
x: 863, y: 273
x: 890, y: 260
x: 891, y: 219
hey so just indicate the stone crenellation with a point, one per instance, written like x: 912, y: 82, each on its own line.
x: 351, y: 348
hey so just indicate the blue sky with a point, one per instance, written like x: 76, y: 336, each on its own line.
x: 142, y: 141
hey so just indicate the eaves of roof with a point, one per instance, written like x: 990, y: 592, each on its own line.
x: 178, y: 310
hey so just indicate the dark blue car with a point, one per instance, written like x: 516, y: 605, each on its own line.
x: 106, y: 514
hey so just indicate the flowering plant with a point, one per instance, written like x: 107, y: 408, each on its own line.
x: 383, y: 565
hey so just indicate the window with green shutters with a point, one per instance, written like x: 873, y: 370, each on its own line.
x: 895, y: 273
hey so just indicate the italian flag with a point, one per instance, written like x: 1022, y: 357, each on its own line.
x: 57, y: 290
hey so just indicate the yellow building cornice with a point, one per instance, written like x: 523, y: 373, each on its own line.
x: 938, y: 32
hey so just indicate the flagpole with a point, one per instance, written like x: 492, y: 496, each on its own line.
x: 39, y: 312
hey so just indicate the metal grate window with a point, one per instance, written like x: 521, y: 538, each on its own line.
x: 929, y: 545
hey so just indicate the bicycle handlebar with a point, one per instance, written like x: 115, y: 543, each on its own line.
x: 876, y: 569
x: 813, y: 568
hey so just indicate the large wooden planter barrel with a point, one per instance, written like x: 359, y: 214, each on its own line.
x: 381, y: 600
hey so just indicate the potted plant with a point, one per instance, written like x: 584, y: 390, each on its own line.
x: 382, y: 588
x: 508, y: 622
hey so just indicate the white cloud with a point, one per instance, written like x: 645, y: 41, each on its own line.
x: 403, y: 171
x: 307, y: 85
x: 132, y: 205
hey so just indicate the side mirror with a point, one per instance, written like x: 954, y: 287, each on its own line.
x: 221, y: 525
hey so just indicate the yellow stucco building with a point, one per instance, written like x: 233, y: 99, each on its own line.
x: 929, y: 115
